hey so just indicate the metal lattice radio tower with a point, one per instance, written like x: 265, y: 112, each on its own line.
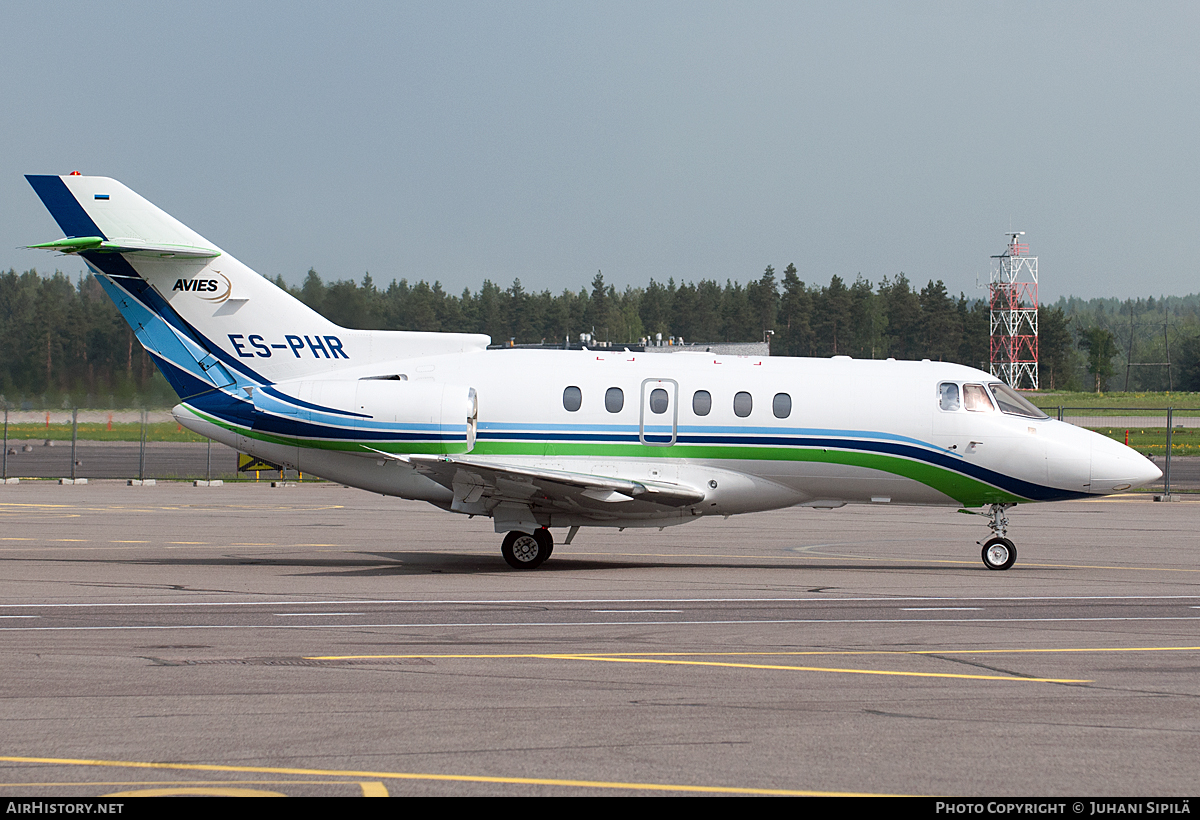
x: 1013, y: 299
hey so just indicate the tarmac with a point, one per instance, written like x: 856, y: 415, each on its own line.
x: 318, y: 640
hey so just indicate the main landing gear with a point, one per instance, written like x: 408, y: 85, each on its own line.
x: 524, y: 551
x: 998, y: 551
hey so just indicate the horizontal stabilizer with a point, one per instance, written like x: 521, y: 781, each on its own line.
x: 99, y: 244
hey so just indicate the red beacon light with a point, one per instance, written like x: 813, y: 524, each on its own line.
x: 76, y: 174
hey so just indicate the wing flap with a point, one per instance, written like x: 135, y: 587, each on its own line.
x: 471, y: 480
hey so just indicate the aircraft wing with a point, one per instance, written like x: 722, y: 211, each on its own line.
x: 474, y: 481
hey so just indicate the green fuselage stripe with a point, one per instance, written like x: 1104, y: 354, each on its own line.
x: 965, y: 490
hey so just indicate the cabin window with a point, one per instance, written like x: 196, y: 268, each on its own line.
x: 742, y: 405
x: 1014, y: 403
x: 572, y: 399
x: 975, y: 399
x: 781, y: 405
x: 702, y: 403
x: 948, y: 396
x: 658, y: 401
x: 614, y: 400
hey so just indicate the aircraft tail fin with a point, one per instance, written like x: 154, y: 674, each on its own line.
x: 210, y: 322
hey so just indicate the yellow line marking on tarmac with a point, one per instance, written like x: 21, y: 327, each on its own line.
x: 664, y: 659
x: 197, y: 791
x: 766, y: 654
x: 780, y: 667
x: 453, y: 778
x: 49, y: 784
x: 28, y: 549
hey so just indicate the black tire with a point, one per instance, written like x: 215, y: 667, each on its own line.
x: 546, y: 540
x: 999, y: 554
x: 523, y: 551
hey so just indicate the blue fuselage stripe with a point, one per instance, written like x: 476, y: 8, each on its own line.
x: 270, y: 423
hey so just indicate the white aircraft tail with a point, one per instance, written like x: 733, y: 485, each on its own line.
x: 210, y: 322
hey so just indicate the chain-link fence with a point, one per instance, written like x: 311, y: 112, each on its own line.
x: 61, y: 450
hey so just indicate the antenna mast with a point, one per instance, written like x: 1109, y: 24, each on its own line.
x: 1013, y: 300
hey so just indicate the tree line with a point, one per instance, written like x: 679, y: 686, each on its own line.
x: 64, y: 342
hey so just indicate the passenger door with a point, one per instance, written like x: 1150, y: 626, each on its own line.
x: 659, y: 417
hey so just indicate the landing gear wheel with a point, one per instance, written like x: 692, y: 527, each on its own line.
x: 999, y: 553
x: 524, y: 551
x: 545, y: 540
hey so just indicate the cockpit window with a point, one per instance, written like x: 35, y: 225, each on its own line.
x: 975, y: 398
x: 1014, y: 403
x: 948, y: 396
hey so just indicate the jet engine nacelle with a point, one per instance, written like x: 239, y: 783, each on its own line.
x: 425, y: 416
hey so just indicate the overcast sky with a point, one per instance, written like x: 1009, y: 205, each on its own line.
x: 495, y: 140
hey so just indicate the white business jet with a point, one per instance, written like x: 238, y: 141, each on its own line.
x: 538, y: 439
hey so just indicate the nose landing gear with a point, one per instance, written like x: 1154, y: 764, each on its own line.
x: 999, y: 553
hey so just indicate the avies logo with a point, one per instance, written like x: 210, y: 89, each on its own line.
x: 220, y: 286
x: 195, y: 284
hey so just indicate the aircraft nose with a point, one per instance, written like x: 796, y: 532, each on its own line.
x: 1116, y: 467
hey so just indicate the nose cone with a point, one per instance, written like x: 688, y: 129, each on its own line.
x: 1116, y: 467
